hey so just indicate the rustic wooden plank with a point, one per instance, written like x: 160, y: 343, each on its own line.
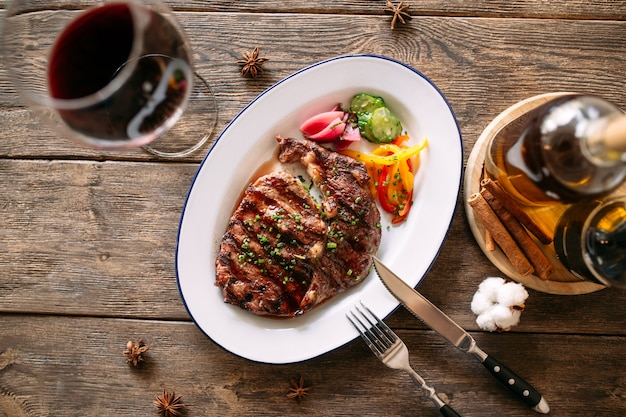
x: 481, y: 65
x: 577, y: 9
x: 75, y: 367
x: 99, y: 238
x: 87, y: 238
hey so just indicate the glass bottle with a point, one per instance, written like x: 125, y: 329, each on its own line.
x: 570, y: 149
x: 590, y: 241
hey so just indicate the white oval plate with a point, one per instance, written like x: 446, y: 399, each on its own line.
x: 248, y: 142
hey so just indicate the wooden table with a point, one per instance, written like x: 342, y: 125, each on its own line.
x: 88, y: 237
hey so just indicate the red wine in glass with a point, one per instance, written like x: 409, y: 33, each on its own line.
x: 120, y: 74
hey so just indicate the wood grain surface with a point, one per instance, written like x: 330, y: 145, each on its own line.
x: 89, y: 237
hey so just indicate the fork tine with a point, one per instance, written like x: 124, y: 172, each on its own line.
x: 365, y: 334
x: 378, y: 335
x: 371, y: 339
x: 385, y: 331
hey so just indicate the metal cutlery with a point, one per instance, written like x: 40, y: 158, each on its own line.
x: 442, y: 324
x: 392, y: 351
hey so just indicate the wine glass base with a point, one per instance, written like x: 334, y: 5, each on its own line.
x: 193, y: 129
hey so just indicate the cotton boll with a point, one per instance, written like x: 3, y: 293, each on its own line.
x: 512, y: 294
x: 486, y: 322
x: 490, y: 287
x: 504, y: 317
x: 481, y: 303
x: 498, y: 304
x: 506, y: 322
x: 499, y: 313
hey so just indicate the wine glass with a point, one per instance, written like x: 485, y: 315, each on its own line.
x: 111, y: 74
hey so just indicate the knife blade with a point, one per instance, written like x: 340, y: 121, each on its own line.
x: 437, y: 320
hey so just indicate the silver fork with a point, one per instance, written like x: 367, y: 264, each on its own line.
x: 392, y: 351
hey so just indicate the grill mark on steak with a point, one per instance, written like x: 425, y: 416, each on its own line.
x: 261, y: 261
x: 282, y: 253
x: 354, y: 220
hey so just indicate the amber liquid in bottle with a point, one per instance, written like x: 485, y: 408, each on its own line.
x: 590, y: 241
x: 544, y: 158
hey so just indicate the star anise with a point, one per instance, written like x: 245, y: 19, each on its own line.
x: 399, y: 12
x: 252, y: 64
x: 169, y: 404
x: 135, y: 351
x: 298, y: 390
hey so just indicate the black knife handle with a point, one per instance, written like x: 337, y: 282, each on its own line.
x: 447, y: 411
x: 513, y: 382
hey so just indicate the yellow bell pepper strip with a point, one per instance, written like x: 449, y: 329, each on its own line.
x: 394, y: 191
x: 374, y: 173
x: 391, y: 171
x: 392, y: 159
x: 386, y: 150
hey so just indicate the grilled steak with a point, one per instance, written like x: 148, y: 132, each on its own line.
x: 283, y: 253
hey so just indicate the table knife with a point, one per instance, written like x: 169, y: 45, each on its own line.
x: 437, y: 320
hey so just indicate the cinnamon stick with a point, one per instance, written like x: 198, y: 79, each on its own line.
x: 515, y: 210
x: 484, y: 213
x: 539, y: 261
x: 490, y: 245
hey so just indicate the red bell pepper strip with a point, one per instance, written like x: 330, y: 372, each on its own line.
x: 382, y: 189
x: 404, y: 212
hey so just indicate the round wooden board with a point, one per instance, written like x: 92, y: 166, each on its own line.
x: 561, y: 281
